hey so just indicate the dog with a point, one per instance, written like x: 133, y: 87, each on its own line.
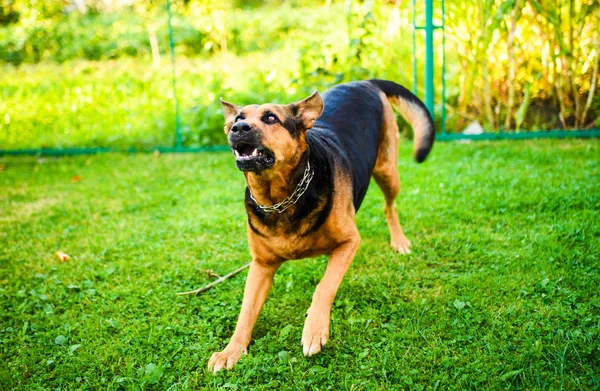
x: 307, y: 166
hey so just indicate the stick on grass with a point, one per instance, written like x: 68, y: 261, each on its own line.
x: 218, y: 281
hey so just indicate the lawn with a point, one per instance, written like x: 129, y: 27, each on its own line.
x: 500, y: 291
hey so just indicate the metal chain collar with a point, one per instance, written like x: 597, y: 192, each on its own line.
x: 292, y: 199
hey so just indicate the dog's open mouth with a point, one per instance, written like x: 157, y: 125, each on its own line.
x: 250, y: 157
x: 245, y: 151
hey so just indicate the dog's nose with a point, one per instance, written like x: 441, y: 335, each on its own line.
x: 241, y: 127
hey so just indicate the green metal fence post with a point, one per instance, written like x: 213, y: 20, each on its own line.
x: 443, y: 27
x: 414, y: 37
x: 429, y: 95
x: 178, y: 141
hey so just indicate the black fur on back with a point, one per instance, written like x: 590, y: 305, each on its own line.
x: 350, y: 130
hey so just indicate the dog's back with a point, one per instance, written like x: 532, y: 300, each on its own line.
x: 353, y: 118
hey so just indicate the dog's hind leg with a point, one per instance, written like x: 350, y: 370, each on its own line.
x: 387, y: 177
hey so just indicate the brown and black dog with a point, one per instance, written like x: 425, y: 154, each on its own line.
x: 308, y: 166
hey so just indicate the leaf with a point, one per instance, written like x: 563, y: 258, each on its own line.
x: 74, y: 348
x: 284, y: 356
x: 317, y: 369
x: 510, y: 374
x: 153, y: 373
x: 459, y: 305
x: 62, y: 256
x: 522, y: 110
x: 283, y: 334
x: 61, y: 339
x: 114, y: 323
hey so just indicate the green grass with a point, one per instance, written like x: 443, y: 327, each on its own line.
x: 500, y: 291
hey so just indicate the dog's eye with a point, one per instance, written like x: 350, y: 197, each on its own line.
x: 239, y: 118
x: 269, y: 119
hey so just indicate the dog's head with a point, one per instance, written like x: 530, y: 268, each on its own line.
x: 269, y: 135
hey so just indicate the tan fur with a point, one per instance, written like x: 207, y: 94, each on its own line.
x: 387, y: 177
x: 294, y: 245
x: 415, y: 117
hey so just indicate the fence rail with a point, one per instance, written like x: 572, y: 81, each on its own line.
x: 592, y: 133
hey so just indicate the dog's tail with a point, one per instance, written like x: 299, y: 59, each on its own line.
x: 414, y: 111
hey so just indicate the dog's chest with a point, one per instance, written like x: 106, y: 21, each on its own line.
x: 285, y: 244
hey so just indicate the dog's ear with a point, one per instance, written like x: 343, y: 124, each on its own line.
x: 308, y: 110
x: 229, y: 110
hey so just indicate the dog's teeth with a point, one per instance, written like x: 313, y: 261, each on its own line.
x: 236, y: 153
x: 255, y: 152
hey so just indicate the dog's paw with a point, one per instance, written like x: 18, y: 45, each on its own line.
x: 315, y: 334
x: 227, y: 358
x: 401, y: 245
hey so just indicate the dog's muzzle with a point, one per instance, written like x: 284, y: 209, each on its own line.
x: 246, y: 145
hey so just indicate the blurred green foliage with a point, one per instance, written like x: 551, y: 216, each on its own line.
x: 91, y: 37
x: 97, y: 73
x: 127, y: 101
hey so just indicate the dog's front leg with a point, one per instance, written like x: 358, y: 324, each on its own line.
x: 258, y: 284
x: 316, y: 327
